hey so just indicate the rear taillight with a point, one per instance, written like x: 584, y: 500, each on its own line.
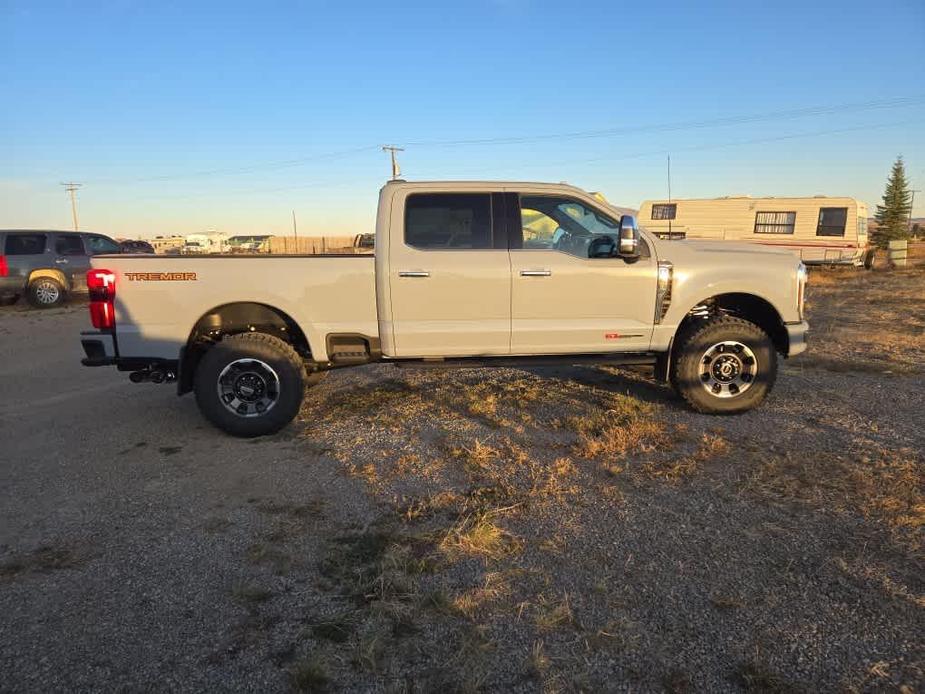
x: 102, y: 286
x: 4, y: 268
x: 102, y: 315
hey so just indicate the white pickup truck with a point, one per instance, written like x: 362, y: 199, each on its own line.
x: 464, y: 274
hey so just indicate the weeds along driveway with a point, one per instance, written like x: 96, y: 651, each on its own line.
x: 551, y: 529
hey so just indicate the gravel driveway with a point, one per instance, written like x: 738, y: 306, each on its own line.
x: 503, y: 530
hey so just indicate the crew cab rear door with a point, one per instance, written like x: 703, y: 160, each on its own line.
x: 449, y: 275
x: 564, y: 301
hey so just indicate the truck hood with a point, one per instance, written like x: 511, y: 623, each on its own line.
x: 725, y: 252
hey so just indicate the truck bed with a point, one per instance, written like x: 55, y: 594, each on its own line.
x: 159, y: 298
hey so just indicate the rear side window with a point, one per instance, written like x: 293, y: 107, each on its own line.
x: 832, y: 221
x: 24, y: 244
x: 69, y: 244
x: 448, y: 221
x: 100, y: 244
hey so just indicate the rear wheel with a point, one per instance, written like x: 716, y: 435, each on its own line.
x: 250, y: 384
x: 46, y: 292
x: 724, y: 366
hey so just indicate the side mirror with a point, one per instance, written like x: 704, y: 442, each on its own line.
x: 629, y: 238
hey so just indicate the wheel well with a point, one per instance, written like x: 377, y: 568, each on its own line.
x: 48, y: 272
x: 747, y: 306
x: 234, y: 319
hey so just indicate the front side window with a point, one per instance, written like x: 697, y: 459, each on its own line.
x: 832, y: 221
x: 668, y: 211
x: 775, y: 222
x: 24, y: 244
x: 448, y: 221
x: 564, y: 224
x: 68, y: 244
x: 100, y: 244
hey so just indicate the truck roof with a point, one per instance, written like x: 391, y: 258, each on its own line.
x: 482, y: 184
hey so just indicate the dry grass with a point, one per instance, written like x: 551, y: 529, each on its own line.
x: 883, y: 484
x: 478, y: 535
x: 554, y: 614
x: 847, y: 307
x: 309, y: 675
x: 623, y: 425
x: 674, y: 468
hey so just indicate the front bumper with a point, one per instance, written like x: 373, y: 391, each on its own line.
x: 796, y: 337
x: 100, y: 349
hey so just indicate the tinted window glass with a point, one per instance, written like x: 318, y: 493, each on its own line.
x: 448, y: 220
x: 69, y: 245
x: 832, y: 221
x: 100, y: 244
x: 24, y: 244
x: 564, y: 224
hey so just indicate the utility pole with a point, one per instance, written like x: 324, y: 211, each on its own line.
x: 669, y: 192
x: 669, y: 178
x: 71, y: 188
x: 396, y: 169
x: 295, y: 229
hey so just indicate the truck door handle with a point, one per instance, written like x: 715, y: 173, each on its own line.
x: 535, y: 273
x: 414, y: 273
x: 61, y: 261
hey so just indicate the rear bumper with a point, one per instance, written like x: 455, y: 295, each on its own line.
x: 10, y: 286
x: 100, y: 349
x: 796, y: 337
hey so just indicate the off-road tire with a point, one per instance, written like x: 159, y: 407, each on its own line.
x: 691, y: 351
x: 46, y: 292
x: 271, y: 351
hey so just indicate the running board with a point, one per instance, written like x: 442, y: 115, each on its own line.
x: 634, y: 359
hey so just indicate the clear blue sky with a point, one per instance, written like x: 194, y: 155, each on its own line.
x: 182, y: 116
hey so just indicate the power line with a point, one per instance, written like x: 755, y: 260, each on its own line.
x: 718, y: 145
x: 245, y: 169
x: 896, y: 102
x: 71, y: 189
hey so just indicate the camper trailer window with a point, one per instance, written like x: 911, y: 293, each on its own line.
x: 775, y: 222
x: 832, y: 221
x: 664, y: 211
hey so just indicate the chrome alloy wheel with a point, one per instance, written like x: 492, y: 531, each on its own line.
x: 46, y: 292
x: 248, y: 387
x: 728, y: 369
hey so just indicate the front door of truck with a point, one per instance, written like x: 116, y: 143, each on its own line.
x: 570, y: 295
x: 450, y: 276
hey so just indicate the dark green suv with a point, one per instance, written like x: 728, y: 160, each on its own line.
x: 47, y: 265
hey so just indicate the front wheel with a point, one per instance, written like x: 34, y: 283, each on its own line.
x: 250, y: 384
x: 724, y: 366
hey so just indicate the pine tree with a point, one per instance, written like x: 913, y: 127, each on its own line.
x: 893, y: 215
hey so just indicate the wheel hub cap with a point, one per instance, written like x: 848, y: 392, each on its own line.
x: 728, y: 369
x: 47, y: 293
x: 248, y: 387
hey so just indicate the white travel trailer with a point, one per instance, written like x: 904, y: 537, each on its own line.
x: 199, y: 244
x: 820, y: 230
